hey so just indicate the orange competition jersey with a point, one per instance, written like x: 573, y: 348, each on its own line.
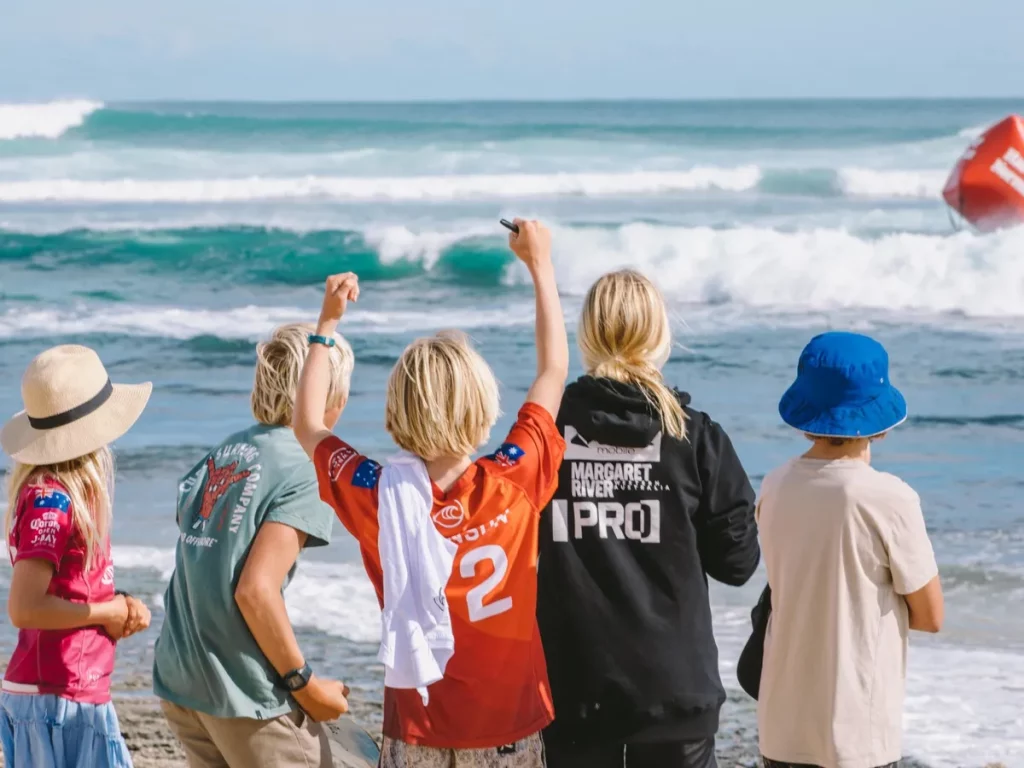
x: 495, y: 688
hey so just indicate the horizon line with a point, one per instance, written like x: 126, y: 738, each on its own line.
x: 489, y: 100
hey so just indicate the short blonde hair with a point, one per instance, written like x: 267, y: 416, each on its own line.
x: 624, y: 335
x: 442, y: 397
x: 278, y: 365
x: 89, y: 482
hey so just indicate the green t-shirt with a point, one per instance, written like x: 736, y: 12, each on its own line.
x: 206, y: 659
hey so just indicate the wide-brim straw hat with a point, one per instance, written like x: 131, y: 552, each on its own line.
x: 71, y: 408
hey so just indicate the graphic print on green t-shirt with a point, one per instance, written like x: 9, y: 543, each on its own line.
x: 206, y: 659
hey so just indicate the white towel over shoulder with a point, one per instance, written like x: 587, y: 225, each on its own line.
x: 416, y: 628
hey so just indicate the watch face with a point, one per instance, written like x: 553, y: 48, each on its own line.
x: 297, y: 679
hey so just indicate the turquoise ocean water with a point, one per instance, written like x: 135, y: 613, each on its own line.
x: 172, y: 236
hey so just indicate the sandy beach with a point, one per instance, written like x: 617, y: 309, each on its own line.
x: 154, y: 746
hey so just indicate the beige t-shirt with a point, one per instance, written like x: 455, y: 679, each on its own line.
x: 842, y: 542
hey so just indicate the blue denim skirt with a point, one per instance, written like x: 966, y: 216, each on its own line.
x: 40, y: 731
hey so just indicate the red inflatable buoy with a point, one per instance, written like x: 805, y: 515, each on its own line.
x: 986, y: 186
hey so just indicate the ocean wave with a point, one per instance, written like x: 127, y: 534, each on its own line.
x: 45, y: 121
x: 825, y: 269
x: 973, y: 131
x: 1009, y: 420
x: 397, y: 188
x: 743, y: 267
x: 471, y: 252
x: 243, y: 323
x: 809, y: 182
x: 718, y: 125
x: 869, y: 182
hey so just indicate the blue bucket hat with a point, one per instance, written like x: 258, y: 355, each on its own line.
x: 842, y: 389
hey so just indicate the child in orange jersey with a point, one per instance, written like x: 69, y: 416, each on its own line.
x: 487, y: 697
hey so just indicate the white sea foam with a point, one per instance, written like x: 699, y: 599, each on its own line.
x: 46, y: 121
x: 973, y: 131
x: 250, y: 322
x: 817, y: 269
x: 132, y: 179
x: 335, y: 598
x: 398, y: 243
x: 408, y: 188
x: 869, y: 182
x: 154, y: 558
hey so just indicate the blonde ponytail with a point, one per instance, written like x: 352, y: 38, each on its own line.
x: 89, y: 481
x: 624, y: 335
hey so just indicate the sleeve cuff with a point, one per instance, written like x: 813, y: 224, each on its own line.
x: 910, y: 587
x: 317, y: 535
x: 38, y: 554
x: 544, y: 420
x: 323, y: 450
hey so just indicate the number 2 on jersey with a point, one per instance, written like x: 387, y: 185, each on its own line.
x: 475, y: 597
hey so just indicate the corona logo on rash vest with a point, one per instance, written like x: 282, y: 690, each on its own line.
x: 986, y: 186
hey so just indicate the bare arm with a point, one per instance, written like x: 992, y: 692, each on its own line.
x: 259, y: 598
x: 927, y: 607
x: 533, y: 246
x: 311, y: 396
x: 30, y: 607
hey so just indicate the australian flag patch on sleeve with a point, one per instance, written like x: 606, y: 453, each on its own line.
x: 367, y: 474
x: 507, y: 455
x: 51, y: 499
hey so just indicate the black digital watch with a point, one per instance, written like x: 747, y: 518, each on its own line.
x: 297, y: 679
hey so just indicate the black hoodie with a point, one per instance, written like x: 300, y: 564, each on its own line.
x: 638, y: 523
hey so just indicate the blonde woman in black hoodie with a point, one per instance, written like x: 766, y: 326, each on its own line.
x: 651, y: 501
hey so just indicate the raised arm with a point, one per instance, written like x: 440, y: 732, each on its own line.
x: 311, y: 397
x: 533, y: 247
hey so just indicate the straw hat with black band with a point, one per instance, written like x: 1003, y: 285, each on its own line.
x: 71, y: 408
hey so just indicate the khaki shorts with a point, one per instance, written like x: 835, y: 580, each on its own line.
x: 528, y: 753
x: 288, y: 741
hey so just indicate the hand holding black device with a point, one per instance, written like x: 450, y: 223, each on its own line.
x: 509, y: 225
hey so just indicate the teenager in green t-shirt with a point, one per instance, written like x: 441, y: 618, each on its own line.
x: 234, y: 684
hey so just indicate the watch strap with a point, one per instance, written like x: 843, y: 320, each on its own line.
x: 327, y: 341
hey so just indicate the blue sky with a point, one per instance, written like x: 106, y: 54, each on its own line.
x: 451, y: 49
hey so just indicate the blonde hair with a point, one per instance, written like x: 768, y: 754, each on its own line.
x: 89, y: 482
x: 442, y: 397
x: 624, y: 335
x: 278, y: 365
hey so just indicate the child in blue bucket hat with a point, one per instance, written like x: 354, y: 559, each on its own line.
x: 850, y: 566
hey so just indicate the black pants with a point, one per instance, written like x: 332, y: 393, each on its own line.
x: 678, y: 754
x: 776, y: 764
